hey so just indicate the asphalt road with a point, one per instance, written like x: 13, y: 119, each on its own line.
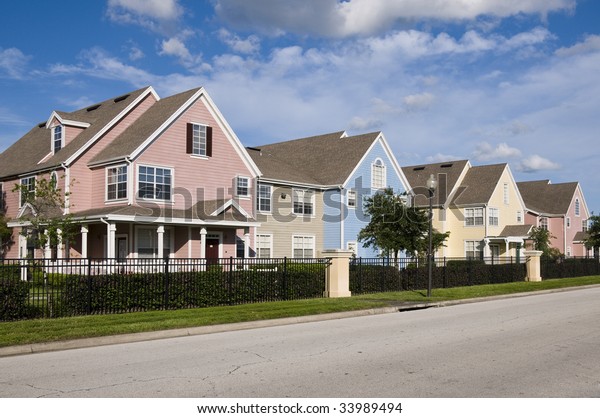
x: 534, y: 346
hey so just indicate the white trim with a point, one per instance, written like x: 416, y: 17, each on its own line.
x: 201, y: 156
x: 109, y: 125
x: 116, y: 200
x: 154, y: 228
x: 265, y: 234
x: 248, y: 195
x: 62, y: 137
x: 137, y: 183
x: 301, y: 235
x: 215, y: 235
x: 228, y: 204
x: 381, y: 166
x: 66, y: 122
x: 257, y: 200
x: 312, y: 202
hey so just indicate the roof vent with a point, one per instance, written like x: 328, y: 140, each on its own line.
x: 418, y: 168
x: 446, y: 165
x: 91, y: 108
x: 121, y: 98
x: 42, y: 125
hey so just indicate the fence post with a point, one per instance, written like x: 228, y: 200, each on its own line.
x: 166, y: 282
x: 533, y: 266
x: 230, y: 281
x: 284, y: 279
x: 337, y: 279
x: 89, y: 286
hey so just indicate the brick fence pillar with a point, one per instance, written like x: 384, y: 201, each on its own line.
x: 337, y: 284
x: 534, y: 271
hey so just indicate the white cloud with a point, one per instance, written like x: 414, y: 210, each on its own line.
x: 487, y: 152
x: 537, y: 163
x: 156, y: 15
x: 365, y: 17
x: 590, y: 44
x: 13, y: 63
x: 440, y: 158
x: 250, y: 45
x: 416, y: 102
x: 136, y: 53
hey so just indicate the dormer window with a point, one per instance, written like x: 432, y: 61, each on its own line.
x: 57, y: 138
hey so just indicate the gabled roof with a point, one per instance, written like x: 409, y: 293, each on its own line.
x: 322, y: 160
x: 25, y: 155
x: 544, y: 197
x: 516, y: 231
x: 417, y: 176
x: 479, y: 184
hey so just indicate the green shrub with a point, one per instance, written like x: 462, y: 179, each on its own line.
x: 14, y: 295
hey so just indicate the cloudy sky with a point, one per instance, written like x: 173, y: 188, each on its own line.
x: 514, y: 81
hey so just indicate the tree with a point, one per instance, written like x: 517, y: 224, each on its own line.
x: 541, y: 240
x: 593, y: 234
x: 44, y: 220
x: 394, y: 226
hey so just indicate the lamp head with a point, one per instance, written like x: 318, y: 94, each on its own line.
x: 432, y: 183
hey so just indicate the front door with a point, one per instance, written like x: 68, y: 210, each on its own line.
x: 212, y: 250
x: 122, y: 248
x: 495, y: 250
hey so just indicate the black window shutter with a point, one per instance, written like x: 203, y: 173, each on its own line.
x: 209, y: 141
x: 190, y: 138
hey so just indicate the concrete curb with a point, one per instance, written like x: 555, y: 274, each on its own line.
x: 238, y: 326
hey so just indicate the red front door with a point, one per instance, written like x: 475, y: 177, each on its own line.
x: 212, y: 249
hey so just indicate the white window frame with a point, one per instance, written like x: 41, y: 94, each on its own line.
x: 506, y: 194
x: 475, y: 247
x: 352, y: 246
x: 116, y: 184
x: 351, y: 199
x: 30, y: 182
x: 305, y: 239
x: 584, y: 225
x: 263, y: 239
x: 262, y: 198
x: 61, y: 138
x: 519, y: 217
x: 241, y: 188
x: 300, y: 203
x: 577, y: 207
x: 471, y: 213
x: 378, y: 181
x: 199, y: 140
x: 493, y: 215
x: 155, y: 167
x: 168, y: 244
x: 543, y: 223
x: 568, y: 222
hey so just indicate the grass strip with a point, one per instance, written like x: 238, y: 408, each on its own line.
x: 62, y: 329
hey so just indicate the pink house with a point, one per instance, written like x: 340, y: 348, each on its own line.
x: 561, y: 209
x: 145, y: 177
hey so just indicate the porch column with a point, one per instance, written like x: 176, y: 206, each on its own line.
x: 47, y: 249
x: 161, y: 233
x: 59, y: 245
x: 111, y: 230
x: 203, y: 243
x: 486, y: 248
x: 84, y: 242
x: 246, y: 242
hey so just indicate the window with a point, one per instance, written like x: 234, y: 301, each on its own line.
x: 568, y: 222
x: 57, y: 138
x: 473, y: 216
x: 577, y: 207
x: 543, y: 223
x: 154, y: 183
x: 27, y: 187
x: 506, y: 199
x: 240, y: 247
x: 263, y: 198
x: 519, y: 217
x: 474, y: 249
x: 378, y: 177
x: 264, y: 243
x: 147, y: 243
x: 352, y: 246
x: 199, y: 140
x: 242, y: 187
x: 303, y: 202
x: 584, y: 225
x: 569, y: 252
x: 303, y: 246
x: 54, y: 180
x: 351, y: 198
x: 493, y: 216
x: 116, y: 183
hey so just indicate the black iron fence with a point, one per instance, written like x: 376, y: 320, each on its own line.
x: 562, y: 267
x: 368, y: 275
x: 50, y: 289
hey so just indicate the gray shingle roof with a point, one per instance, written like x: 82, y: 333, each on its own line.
x: 479, y: 184
x: 318, y: 160
x: 24, y: 155
x: 516, y: 231
x: 417, y: 176
x: 547, y: 198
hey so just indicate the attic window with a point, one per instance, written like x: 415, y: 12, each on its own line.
x: 57, y: 138
x: 121, y: 98
x: 418, y: 168
x: 446, y: 165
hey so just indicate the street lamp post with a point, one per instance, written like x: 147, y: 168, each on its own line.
x: 431, y: 186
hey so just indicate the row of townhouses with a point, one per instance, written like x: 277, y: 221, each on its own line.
x: 147, y: 176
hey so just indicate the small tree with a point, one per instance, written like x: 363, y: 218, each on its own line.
x: 541, y: 240
x: 44, y: 214
x: 593, y: 234
x: 394, y: 226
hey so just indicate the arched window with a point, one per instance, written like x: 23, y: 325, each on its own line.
x: 378, y: 176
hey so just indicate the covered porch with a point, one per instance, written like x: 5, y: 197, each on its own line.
x: 509, y: 244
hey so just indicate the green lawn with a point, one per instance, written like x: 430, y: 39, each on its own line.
x: 60, y: 329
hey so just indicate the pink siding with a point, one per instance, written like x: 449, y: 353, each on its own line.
x: 197, y: 178
x: 71, y: 133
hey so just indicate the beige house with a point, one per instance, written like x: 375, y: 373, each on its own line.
x: 480, y: 205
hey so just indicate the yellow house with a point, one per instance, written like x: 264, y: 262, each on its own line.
x: 480, y: 206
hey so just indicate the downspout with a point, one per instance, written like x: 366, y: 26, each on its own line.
x: 66, y: 209
x: 130, y: 181
x: 486, y: 248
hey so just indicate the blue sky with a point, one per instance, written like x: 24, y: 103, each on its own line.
x: 514, y: 81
